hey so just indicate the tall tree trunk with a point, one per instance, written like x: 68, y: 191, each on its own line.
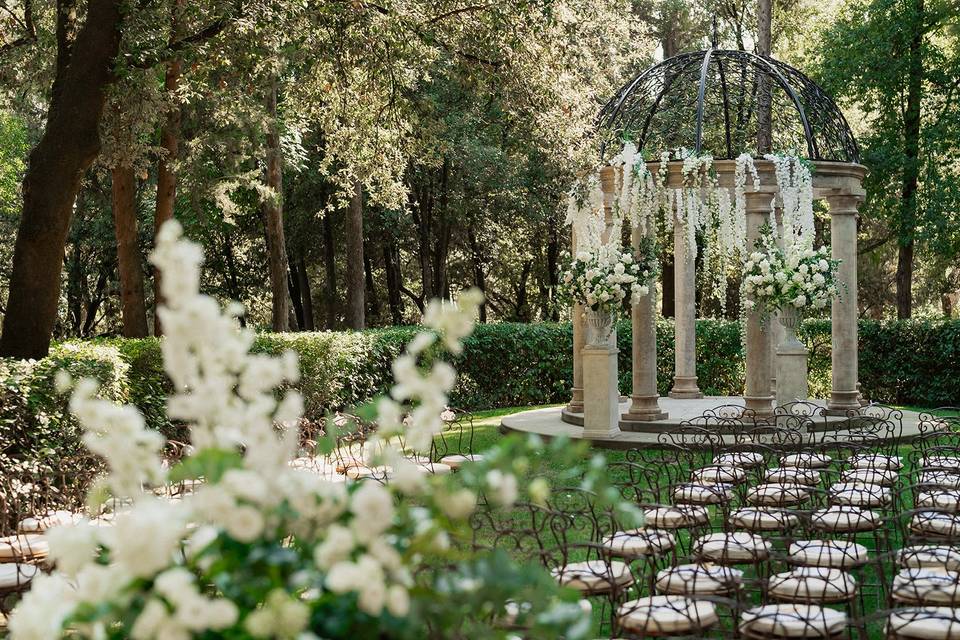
x: 355, y: 278
x: 372, y: 300
x: 422, y: 210
x: 553, y: 272
x: 394, y: 296
x: 441, y: 283
x: 479, y: 279
x: 306, y: 295
x: 764, y: 99
x: 293, y: 285
x: 911, y: 167
x: 330, y: 267
x: 170, y: 143
x: 273, y: 214
x: 133, y: 306
x: 90, y: 321
x: 233, y: 277
x: 69, y: 145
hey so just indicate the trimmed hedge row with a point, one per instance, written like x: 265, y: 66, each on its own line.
x: 902, y: 362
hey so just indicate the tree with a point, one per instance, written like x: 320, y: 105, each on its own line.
x: 355, y: 260
x: 132, y: 301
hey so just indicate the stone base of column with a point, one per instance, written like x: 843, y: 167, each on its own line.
x: 843, y: 402
x: 644, y: 409
x: 791, y: 374
x: 576, y: 401
x: 601, y: 398
x: 685, y: 388
x: 762, y: 406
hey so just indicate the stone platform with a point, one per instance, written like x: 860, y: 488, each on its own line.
x: 556, y: 421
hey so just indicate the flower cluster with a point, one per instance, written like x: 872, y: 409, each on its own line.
x: 800, y: 277
x: 261, y: 548
x: 606, y: 278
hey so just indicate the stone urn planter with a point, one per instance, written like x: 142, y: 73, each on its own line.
x: 599, y: 326
x: 791, y: 359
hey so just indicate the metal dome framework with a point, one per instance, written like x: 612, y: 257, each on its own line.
x: 710, y: 101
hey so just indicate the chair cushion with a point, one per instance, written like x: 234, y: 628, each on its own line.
x: 639, y: 542
x: 777, y: 494
x: 944, y: 499
x: 27, y: 546
x: 813, y: 584
x: 763, y: 519
x: 39, y: 524
x: 680, y: 516
x: 793, y: 475
x: 742, y: 459
x: 927, y: 586
x: 859, y: 495
x: 924, y: 623
x: 738, y: 546
x: 940, y: 461
x: 844, y: 519
x: 940, y: 479
x: 699, y: 579
x: 792, y: 621
x: 14, y: 576
x: 806, y: 460
x: 703, y: 493
x: 930, y: 556
x: 718, y: 474
x: 882, y: 477
x: 935, y: 523
x: 666, y: 615
x: 456, y: 460
x: 594, y: 576
x: 835, y: 554
x: 876, y: 461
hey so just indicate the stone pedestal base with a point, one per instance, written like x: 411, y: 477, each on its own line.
x: 685, y: 388
x: 644, y: 409
x: 843, y: 402
x: 601, y: 398
x: 791, y: 373
x: 576, y: 402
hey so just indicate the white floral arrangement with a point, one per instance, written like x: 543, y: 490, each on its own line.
x: 799, y: 277
x: 261, y: 549
x: 606, y: 278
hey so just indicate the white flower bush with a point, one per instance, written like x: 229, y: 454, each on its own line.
x: 261, y: 549
x: 797, y: 276
x: 606, y: 278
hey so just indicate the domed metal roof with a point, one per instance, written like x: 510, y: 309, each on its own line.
x: 709, y: 101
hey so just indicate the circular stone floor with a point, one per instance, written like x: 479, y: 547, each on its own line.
x: 549, y: 422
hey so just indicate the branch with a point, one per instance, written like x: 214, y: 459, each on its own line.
x: 30, y: 32
x: 417, y: 300
x: 207, y: 33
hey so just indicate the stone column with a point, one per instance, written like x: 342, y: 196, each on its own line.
x: 645, y: 403
x: 576, y: 401
x: 757, y: 396
x: 685, y: 318
x: 776, y: 329
x: 843, y: 237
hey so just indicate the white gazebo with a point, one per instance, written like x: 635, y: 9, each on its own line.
x: 722, y: 103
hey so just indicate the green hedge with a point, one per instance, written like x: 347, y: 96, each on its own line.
x: 904, y: 362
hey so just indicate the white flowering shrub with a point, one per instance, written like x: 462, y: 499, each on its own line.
x: 797, y: 276
x: 606, y: 278
x: 260, y: 549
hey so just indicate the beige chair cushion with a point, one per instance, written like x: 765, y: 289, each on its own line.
x: 639, y: 542
x: 844, y: 519
x: 434, y: 468
x: 835, y: 554
x: 594, y: 576
x: 718, y: 474
x: 456, y: 460
x: 945, y: 499
x: 680, y: 516
x: 52, y: 519
x: 666, y: 615
x: 806, y: 460
x: 924, y: 623
x: 777, y: 494
x: 763, y: 519
x: 703, y: 493
x: 738, y: 546
x: 699, y: 579
x: 876, y: 461
x: 14, y: 576
x: 940, y: 479
x: 793, y: 475
x: 792, y: 621
x: 881, y: 477
x: 28, y: 546
x: 927, y: 586
x: 930, y: 556
x: 859, y: 495
x: 940, y: 461
x: 813, y: 584
x: 742, y: 459
x: 935, y: 523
